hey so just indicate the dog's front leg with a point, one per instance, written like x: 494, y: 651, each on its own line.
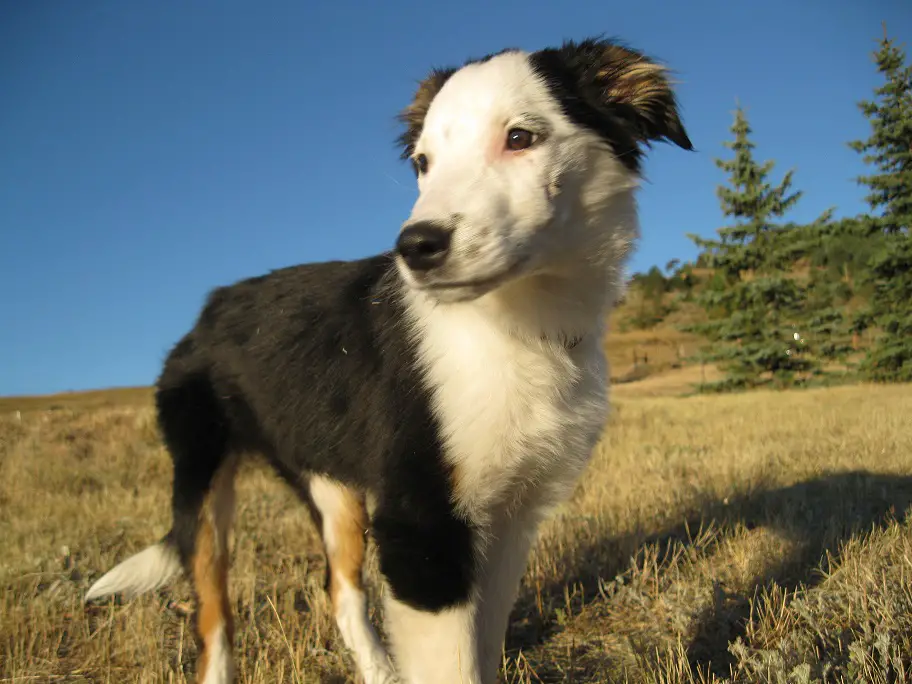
x: 428, y: 563
x: 433, y: 647
x: 499, y: 575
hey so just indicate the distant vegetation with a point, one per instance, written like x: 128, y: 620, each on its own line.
x: 783, y: 304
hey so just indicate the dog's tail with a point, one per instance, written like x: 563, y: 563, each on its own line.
x: 145, y: 571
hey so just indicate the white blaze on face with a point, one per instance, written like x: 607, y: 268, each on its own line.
x: 513, y: 213
x: 496, y: 199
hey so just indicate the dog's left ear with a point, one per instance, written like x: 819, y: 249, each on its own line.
x: 631, y: 81
x: 629, y: 86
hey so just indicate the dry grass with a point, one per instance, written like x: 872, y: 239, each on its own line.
x: 657, y: 349
x: 759, y: 538
x: 107, y: 398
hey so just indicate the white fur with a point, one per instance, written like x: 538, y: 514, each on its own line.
x: 500, y: 572
x: 540, y: 211
x: 147, y: 570
x: 538, y: 250
x: 350, y: 608
x: 327, y: 497
x: 518, y: 409
x: 361, y: 639
x: 220, y: 668
x: 464, y: 644
x: 515, y: 414
x: 433, y: 648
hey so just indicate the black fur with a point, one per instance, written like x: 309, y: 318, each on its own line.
x: 580, y: 77
x: 562, y: 80
x: 312, y: 366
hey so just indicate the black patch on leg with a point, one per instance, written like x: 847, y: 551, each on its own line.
x: 429, y: 565
x: 426, y: 552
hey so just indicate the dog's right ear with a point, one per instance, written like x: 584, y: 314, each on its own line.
x: 413, y: 115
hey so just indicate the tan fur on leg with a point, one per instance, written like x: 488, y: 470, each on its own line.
x: 344, y: 525
x: 215, y: 622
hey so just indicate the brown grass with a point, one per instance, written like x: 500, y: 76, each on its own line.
x: 663, y: 346
x: 116, y: 397
x: 756, y: 538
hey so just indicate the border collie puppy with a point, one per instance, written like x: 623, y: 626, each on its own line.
x: 443, y: 396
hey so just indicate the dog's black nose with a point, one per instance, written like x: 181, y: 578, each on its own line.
x: 424, y: 245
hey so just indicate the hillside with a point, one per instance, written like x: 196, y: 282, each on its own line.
x: 657, y: 353
x: 649, y: 352
x: 757, y: 537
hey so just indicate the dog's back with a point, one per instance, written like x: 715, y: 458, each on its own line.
x: 294, y: 364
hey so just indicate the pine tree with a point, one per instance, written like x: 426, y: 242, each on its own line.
x: 889, y: 150
x: 754, y: 203
x: 649, y: 298
x: 755, y: 309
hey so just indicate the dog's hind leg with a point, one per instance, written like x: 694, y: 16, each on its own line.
x: 196, y: 432
x: 342, y: 517
x: 214, y: 621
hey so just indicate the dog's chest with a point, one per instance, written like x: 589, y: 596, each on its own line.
x: 514, y: 417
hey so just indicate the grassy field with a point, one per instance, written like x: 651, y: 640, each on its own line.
x: 761, y: 537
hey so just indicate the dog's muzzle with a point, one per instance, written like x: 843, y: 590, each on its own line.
x: 424, y: 245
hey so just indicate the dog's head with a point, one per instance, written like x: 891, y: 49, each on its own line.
x: 520, y: 158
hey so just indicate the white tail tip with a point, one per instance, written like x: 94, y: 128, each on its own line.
x: 145, y: 571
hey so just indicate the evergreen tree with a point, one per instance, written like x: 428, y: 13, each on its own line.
x: 889, y: 150
x: 842, y: 254
x: 890, y: 312
x: 649, y: 298
x: 756, y: 311
x: 889, y: 147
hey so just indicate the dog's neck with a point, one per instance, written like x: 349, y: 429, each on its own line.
x: 569, y: 302
x: 561, y: 310
x: 550, y: 309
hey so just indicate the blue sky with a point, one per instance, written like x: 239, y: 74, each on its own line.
x: 153, y: 150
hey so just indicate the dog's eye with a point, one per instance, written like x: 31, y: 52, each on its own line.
x: 421, y: 164
x: 519, y: 139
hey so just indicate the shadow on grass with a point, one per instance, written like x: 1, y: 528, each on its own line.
x: 818, y: 515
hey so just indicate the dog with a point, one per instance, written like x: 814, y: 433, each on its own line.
x: 442, y: 397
